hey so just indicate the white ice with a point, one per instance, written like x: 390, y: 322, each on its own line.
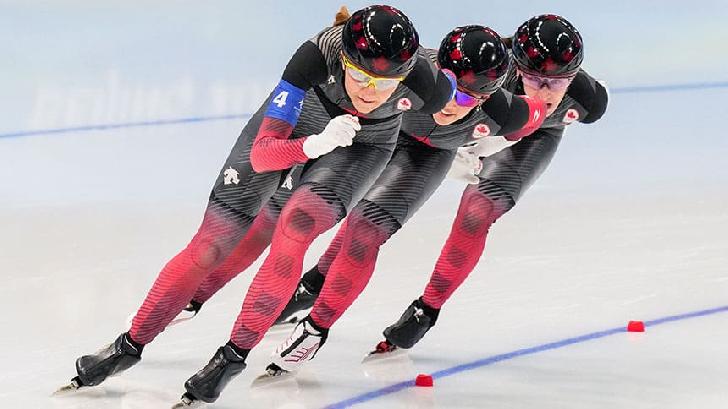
x: 627, y: 224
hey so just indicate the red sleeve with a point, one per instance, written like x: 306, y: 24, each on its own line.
x: 536, y: 116
x: 272, y: 148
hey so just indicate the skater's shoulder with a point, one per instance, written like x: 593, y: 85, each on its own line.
x: 590, y: 94
x: 429, y: 83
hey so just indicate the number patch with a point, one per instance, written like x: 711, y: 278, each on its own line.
x: 286, y: 103
x: 280, y: 99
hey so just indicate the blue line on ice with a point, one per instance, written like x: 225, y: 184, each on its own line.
x: 103, y: 127
x: 378, y: 393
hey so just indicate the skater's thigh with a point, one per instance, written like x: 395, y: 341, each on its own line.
x: 413, y: 173
x: 344, y: 175
x: 240, y: 188
x: 514, y: 169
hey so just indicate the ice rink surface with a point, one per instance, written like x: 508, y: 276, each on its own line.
x: 628, y: 223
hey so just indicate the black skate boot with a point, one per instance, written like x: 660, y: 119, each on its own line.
x: 206, y: 385
x: 414, y: 323
x: 109, y: 361
x: 303, y: 299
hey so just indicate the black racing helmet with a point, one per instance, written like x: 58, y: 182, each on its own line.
x: 548, y: 45
x: 477, y: 57
x: 381, y: 40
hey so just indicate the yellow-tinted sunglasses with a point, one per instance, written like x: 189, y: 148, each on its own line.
x: 366, y: 79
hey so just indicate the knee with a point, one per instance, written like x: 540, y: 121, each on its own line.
x: 307, y: 215
x: 368, y: 227
x: 480, y: 210
x: 206, y: 253
x: 217, y: 236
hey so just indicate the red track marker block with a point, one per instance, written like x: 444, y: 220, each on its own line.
x: 424, y: 380
x: 636, y: 326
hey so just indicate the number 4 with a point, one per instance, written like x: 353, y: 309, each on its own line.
x: 280, y: 99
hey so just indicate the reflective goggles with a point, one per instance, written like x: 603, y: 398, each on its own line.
x: 554, y: 84
x: 464, y: 99
x: 365, y: 79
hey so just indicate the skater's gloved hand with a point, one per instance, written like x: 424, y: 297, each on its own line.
x: 340, y: 131
x: 466, y: 166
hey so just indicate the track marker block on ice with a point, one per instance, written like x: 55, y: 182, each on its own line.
x: 424, y: 380
x: 636, y: 326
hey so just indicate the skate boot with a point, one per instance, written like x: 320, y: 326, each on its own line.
x: 301, y: 346
x: 414, y: 323
x: 109, y: 361
x: 303, y: 299
x: 207, y: 384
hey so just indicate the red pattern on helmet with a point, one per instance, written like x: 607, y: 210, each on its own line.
x: 390, y: 10
x: 549, y: 65
x: 361, y: 43
x: 381, y: 64
x: 467, y: 77
x: 405, y: 55
x: 567, y: 55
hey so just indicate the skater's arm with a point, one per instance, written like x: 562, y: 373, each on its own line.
x: 272, y: 149
x: 518, y: 116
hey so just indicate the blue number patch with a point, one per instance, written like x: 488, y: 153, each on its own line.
x: 287, y: 103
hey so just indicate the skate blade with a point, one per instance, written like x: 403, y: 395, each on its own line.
x: 376, y: 356
x: 294, y: 318
x: 192, y: 405
x: 283, y: 327
x: 267, y: 379
x: 72, y: 387
x: 187, y: 403
x: 177, y: 320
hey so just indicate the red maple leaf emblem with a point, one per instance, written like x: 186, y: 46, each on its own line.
x: 381, y: 64
x: 404, y: 104
x: 481, y: 130
x: 571, y: 116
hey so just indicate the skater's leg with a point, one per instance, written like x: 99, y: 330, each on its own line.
x: 506, y: 175
x: 248, y: 250
x: 479, y: 208
x: 220, y: 232
x: 368, y: 227
x: 311, y: 283
x: 328, y: 187
x: 307, y: 215
x: 412, y: 175
x: 329, y: 255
